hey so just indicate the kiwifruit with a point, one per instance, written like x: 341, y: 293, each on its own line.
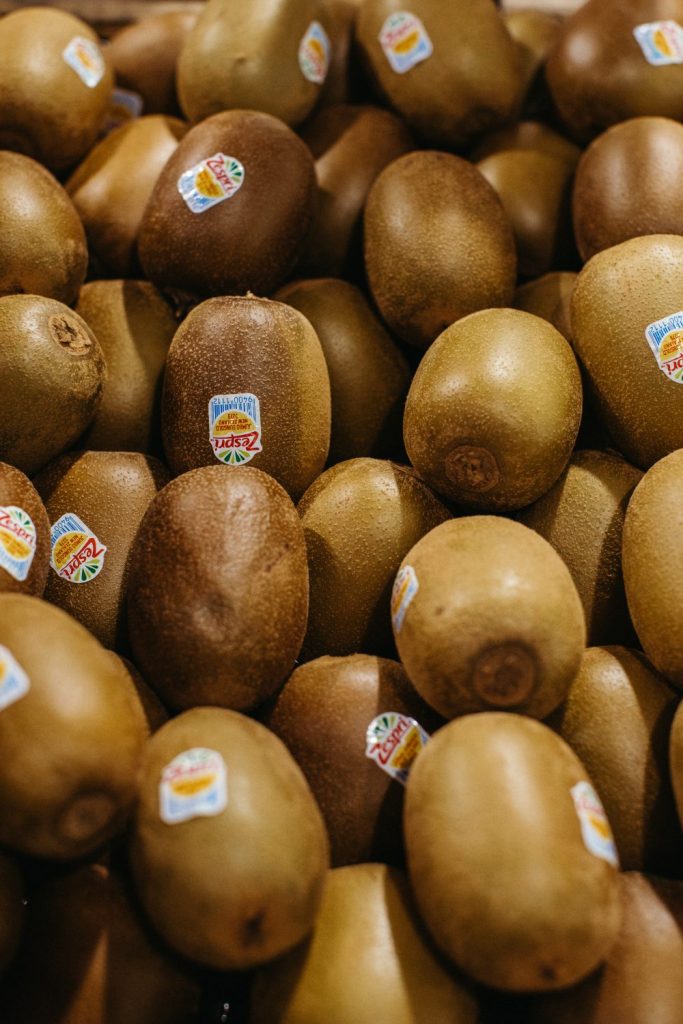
x: 55, y: 85
x: 486, y: 616
x: 510, y: 855
x: 271, y: 57
x: 229, y: 851
x: 582, y: 516
x: 369, y: 376
x: 24, y: 535
x: 53, y: 374
x: 100, y: 187
x: 42, y: 242
x: 422, y: 60
x: 494, y: 409
x: 154, y: 711
x: 438, y: 244
x: 322, y: 715
x: 231, y: 208
x: 676, y: 758
x: 96, y: 501
x: 212, y: 620
x: 246, y: 380
x: 549, y: 297
x: 134, y: 326
x: 359, y: 519
x: 72, y: 733
x: 367, y: 940
x: 628, y: 183
x: 617, y: 719
x: 535, y: 32
x: 11, y: 909
x: 625, y: 330
x: 342, y: 79
x: 653, y: 569
x: 526, y: 135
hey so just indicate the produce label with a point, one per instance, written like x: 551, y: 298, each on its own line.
x: 405, y: 41
x: 14, y: 683
x: 595, y: 828
x: 193, y: 785
x: 314, y: 53
x: 665, y: 338
x: 393, y: 741
x: 85, y: 57
x: 211, y: 182
x: 125, y: 106
x: 235, y: 428
x: 17, y: 541
x: 404, y: 590
x: 77, y: 554
x: 661, y: 42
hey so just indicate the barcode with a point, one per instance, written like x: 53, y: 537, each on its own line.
x: 68, y: 523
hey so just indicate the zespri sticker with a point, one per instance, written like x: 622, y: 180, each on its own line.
x: 314, y: 53
x: 193, y: 785
x: 211, y: 182
x: 14, y: 683
x: 17, y: 541
x: 393, y: 741
x: 235, y: 428
x: 661, y: 42
x: 77, y: 554
x: 595, y: 828
x: 85, y: 58
x: 665, y: 338
x: 405, y: 41
x: 404, y: 590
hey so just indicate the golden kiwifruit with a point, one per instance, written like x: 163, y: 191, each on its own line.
x: 653, y: 568
x: 246, y: 380
x: 535, y: 32
x: 617, y: 719
x: 42, y: 242
x: 11, y: 909
x: 486, y: 616
x: 676, y: 757
x: 438, y: 244
x: 72, y: 733
x: 549, y: 297
x: 231, y: 208
x: 342, y: 78
x: 144, y: 57
x: 134, y: 326
x: 526, y: 135
x: 582, y: 516
x: 510, y: 854
x: 55, y: 85
x: 102, y: 189
x: 218, y: 598
x: 368, y: 948
x: 24, y: 535
x: 53, y: 374
x: 154, y: 711
x: 359, y: 519
x: 627, y: 330
x: 96, y: 501
x: 229, y: 851
x: 322, y: 715
x: 494, y: 409
x: 629, y: 182
x: 369, y: 376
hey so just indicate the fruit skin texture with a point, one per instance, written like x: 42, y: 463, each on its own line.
x: 239, y: 888
x: 617, y: 295
x: 496, y: 858
x: 653, y: 568
x: 438, y: 245
x: 496, y: 621
x: 144, y: 55
x: 232, y: 641
x: 676, y: 758
x: 549, y: 297
x: 494, y: 409
x: 367, y: 940
x: 16, y: 489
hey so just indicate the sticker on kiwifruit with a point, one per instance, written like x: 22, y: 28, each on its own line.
x: 125, y: 106
x: 85, y: 58
x: 314, y: 53
x: 193, y: 785
x: 17, y: 541
x: 404, y: 590
x: 393, y: 741
x: 211, y: 181
x: 405, y: 41
x: 665, y: 338
x: 77, y: 554
x: 661, y: 42
x: 595, y: 828
x: 235, y: 428
x: 14, y: 683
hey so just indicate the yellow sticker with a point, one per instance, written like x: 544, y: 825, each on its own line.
x: 193, y: 785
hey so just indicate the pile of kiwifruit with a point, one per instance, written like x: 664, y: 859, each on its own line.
x: 341, y: 469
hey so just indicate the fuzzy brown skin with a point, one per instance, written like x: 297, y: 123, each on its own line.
x: 144, y: 57
x: 535, y: 33
x: 73, y: 744
x: 676, y: 758
x: 232, y: 640
x: 526, y: 135
x: 16, y: 489
x: 496, y: 857
x: 235, y: 889
x: 55, y: 373
x: 42, y: 242
x: 494, y: 409
x: 549, y: 297
x: 11, y: 909
x: 243, y: 344
x: 438, y: 245
x: 46, y: 110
